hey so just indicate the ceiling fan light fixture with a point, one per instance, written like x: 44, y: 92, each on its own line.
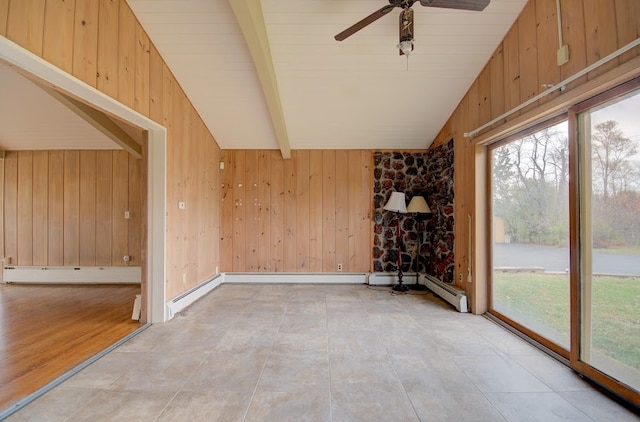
x: 405, y: 46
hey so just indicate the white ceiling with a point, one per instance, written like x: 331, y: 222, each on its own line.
x: 31, y: 119
x: 356, y: 94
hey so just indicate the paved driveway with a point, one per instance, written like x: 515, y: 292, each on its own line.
x: 557, y: 259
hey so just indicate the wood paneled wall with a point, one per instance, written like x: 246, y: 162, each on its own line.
x: 522, y: 63
x: 305, y: 214
x: 67, y: 208
x: 102, y: 43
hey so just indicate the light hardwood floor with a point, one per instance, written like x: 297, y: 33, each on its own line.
x: 47, y: 330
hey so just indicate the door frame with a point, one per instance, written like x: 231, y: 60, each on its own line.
x: 154, y: 215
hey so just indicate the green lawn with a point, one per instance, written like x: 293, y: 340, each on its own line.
x: 544, y: 298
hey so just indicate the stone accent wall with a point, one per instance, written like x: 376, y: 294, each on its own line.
x: 429, y: 174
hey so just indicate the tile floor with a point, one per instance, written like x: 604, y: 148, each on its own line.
x: 324, y: 353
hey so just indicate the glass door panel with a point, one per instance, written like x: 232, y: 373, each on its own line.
x: 530, y: 231
x: 609, y: 138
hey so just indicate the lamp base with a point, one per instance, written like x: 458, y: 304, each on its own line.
x: 417, y: 287
x: 400, y: 287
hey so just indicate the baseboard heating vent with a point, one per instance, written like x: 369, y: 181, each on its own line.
x: 298, y: 278
x: 455, y: 296
x: 388, y: 279
x: 177, y: 304
x: 72, y: 275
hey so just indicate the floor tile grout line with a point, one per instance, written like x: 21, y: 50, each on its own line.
x: 181, y: 388
x: 264, y: 364
x: 326, y: 317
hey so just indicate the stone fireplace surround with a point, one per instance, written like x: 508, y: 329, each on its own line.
x: 429, y: 174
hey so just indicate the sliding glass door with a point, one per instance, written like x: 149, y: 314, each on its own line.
x: 609, y: 139
x: 565, y: 236
x: 530, y: 236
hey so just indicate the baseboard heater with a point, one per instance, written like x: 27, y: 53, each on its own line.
x: 72, y: 275
x: 388, y: 279
x: 298, y: 278
x: 179, y: 303
x: 455, y: 296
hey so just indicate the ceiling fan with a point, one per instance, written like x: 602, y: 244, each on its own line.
x: 406, y: 18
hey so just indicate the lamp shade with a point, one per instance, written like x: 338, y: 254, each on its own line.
x: 396, y: 203
x: 418, y: 204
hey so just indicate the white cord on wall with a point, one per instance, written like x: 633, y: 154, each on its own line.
x: 559, y: 13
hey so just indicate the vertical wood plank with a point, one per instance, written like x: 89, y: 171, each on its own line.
x: 57, y: 47
x: 365, y: 232
x: 85, y: 41
x: 107, y: 70
x: 25, y: 208
x: 302, y: 210
x: 71, y: 219
x: 56, y: 208
x: 252, y: 202
x: 484, y: 95
x: 329, y: 211
x: 226, y: 210
x: 277, y: 211
x: 290, y: 216
x: 264, y: 211
x: 316, y: 207
x: 11, y: 206
x: 239, y: 211
x: 126, y: 55
x: 628, y: 26
x: 497, y: 68
x: 88, y: 238
x: 529, y: 86
x: 156, y: 83
x: 104, y: 189
x: 203, y: 263
x: 40, y: 207
x: 4, y: 16
x: 135, y: 221
x: 511, y: 70
x: 573, y: 35
x: 342, y: 209
x: 547, y: 41
x: 25, y: 24
x: 474, y: 105
x: 600, y: 35
x: 142, y: 75
x: 191, y: 223
x: 213, y: 186
x: 354, y: 207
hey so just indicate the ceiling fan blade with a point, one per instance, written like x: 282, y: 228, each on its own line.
x: 475, y: 5
x: 364, y: 22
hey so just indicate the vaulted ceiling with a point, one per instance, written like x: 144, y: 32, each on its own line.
x: 269, y: 74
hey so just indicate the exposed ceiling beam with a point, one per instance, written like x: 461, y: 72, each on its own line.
x: 250, y: 19
x: 98, y: 120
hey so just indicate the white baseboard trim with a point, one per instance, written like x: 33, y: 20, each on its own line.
x: 388, y: 279
x: 179, y: 303
x: 298, y: 278
x: 72, y: 275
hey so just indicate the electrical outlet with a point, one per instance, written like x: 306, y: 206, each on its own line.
x: 460, y: 277
x: 339, y: 267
